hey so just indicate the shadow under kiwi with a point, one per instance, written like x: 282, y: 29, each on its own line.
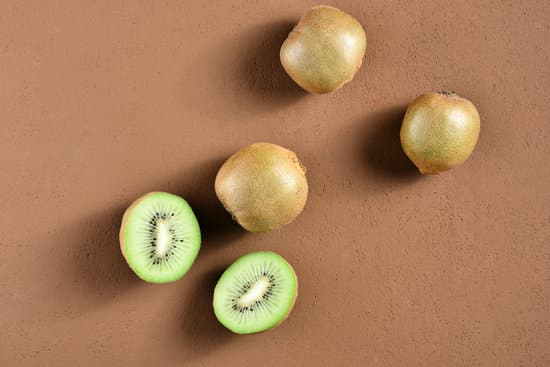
x: 96, y: 272
x: 196, y: 186
x: 260, y: 67
x: 381, y: 146
x: 96, y: 264
x: 198, y: 324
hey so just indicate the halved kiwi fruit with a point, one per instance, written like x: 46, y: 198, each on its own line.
x: 160, y: 237
x: 256, y: 293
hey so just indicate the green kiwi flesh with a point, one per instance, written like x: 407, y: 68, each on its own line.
x: 160, y: 237
x: 256, y: 293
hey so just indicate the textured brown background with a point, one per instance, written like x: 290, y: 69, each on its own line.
x: 101, y: 101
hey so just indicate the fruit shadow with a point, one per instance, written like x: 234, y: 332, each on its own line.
x: 196, y: 185
x: 98, y: 267
x: 199, y: 327
x: 380, y: 146
x: 260, y: 67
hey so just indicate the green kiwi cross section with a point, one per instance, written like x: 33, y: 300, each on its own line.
x: 256, y: 293
x: 160, y: 237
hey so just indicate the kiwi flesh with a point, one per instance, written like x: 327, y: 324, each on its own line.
x: 439, y: 131
x: 325, y: 49
x: 160, y: 237
x: 263, y: 186
x: 256, y: 293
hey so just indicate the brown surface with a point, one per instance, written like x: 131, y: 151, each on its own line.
x: 102, y: 101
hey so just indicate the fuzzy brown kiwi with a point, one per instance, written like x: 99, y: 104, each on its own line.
x: 263, y: 186
x: 439, y: 131
x: 325, y: 49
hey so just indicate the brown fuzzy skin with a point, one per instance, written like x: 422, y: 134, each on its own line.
x: 263, y: 186
x: 125, y: 217
x: 439, y: 131
x: 325, y: 49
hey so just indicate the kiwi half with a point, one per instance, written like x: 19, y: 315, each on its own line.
x: 160, y: 237
x: 256, y: 293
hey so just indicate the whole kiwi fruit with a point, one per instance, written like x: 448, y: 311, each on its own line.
x: 325, y: 49
x: 439, y: 131
x: 263, y: 186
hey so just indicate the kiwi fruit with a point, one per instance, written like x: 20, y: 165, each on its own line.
x: 256, y: 293
x: 325, y: 49
x: 160, y: 237
x: 439, y: 131
x: 263, y: 186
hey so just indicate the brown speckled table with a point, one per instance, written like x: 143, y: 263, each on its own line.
x: 101, y: 101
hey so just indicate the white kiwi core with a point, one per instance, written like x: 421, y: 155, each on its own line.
x: 255, y: 292
x: 163, y: 239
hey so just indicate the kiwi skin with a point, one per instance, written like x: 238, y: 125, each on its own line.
x: 291, y: 305
x: 125, y: 217
x: 325, y: 49
x: 289, y: 309
x: 439, y: 131
x: 263, y: 186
